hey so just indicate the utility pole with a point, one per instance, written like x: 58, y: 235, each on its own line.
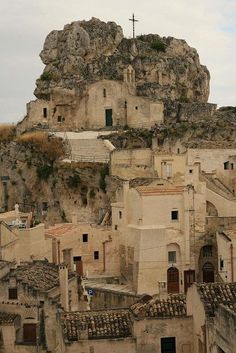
x: 133, y: 19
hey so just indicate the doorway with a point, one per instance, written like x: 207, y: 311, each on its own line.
x: 208, y: 273
x: 29, y: 333
x: 173, y: 280
x: 168, y: 345
x: 109, y: 119
x: 79, y: 265
x: 189, y: 278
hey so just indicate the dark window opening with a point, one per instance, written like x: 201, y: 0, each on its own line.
x: 125, y: 104
x: 60, y: 119
x: 96, y: 255
x: 171, y: 256
x: 231, y: 166
x: 168, y: 345
x: 221, y: 264
x: 226, y: 165
x: 85, y: 238
x: 136, y: 107
x: 44, y: 206
x: 116, y: 227
x: 190, y: 171
x: 77, y: 258
x: 45, y: 112
x: 207, y: 251
x: 178, y: 150
x: 12, y: 293
x: 174, y: 215
x: 104, y: 92
x: 120, y: 214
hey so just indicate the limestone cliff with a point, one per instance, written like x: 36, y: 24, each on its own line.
x: 87, y: 51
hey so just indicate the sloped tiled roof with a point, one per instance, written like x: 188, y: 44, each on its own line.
x: 7, y: 318
x: 97, y: 324
x: 213, y: 294
x: 60, y: 229
x: 159, y: 190
x: 173, y: 306
x: 39, y: 275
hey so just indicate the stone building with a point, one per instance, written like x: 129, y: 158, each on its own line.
x: 104, y: 104
x: 212, y: 307
x: 33, y: 291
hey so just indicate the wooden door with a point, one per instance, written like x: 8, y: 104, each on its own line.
x: 173, y: 280
x: 109, y: 120
x: 189, y: 278
x: 79, y: 265
x: 208, y: 275
x: 29, y: 333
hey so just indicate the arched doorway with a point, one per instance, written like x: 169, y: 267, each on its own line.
x: 208, y: 275
x: 173, y: 280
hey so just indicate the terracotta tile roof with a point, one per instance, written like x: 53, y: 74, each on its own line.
x: 60, y: 229
x: 159, y: 190
x: 97, y: 324
x: 173, y: 306
x: 213, y: 294
x: 39, y: 275
x: 7, y: 318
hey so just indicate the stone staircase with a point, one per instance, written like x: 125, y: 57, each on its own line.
x: 216, y: 185
x: 90, y: 150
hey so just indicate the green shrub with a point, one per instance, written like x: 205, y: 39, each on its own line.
x: 46, y: 76
x: 73, y: 181
x: 102, y: 182
x: 44, y: 171
x: 158, y: 45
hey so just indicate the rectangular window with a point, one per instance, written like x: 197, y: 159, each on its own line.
x: 59, y: 119
x: 116, y: 227
x: 174, y: 215
x: 104, y: 92
x: 120, y: 214
x: 190, y: 171
x: 12, y: 293
x: 168, y: 345
x: 207, y: 251
x: 172, y: 257
x: 45, y: 112
x: 96, y: 255
x: 85, y: 238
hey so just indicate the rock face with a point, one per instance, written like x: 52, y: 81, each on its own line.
x: 88, y: 51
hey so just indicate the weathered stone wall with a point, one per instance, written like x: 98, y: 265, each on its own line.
x: 149, y: 333
x: 103, y: 298
x: 130, y: 164
x: 189, y: 111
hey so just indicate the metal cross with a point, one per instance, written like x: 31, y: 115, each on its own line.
x: 133, y: 20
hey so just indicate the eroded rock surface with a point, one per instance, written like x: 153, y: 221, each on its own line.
x: 87, y: 51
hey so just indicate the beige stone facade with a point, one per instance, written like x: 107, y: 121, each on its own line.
x: 105, y: 103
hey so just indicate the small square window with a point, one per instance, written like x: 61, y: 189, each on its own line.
x: 175, y: 215
x: 120, y: 214
x: 12, y: 293
x: 96, y: 255
x: 172, y: 257
x: 85, y: 238
x: 116, y: 227
x: 136, y: 108
x: 190, y: 171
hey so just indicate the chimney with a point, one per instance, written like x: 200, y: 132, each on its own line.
x: 74, y: 218
x: 64, y: 291
x: 68, y: 259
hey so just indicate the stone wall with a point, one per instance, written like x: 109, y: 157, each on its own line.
x: 131, y: 164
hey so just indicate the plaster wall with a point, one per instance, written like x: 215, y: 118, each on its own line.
x: 103, y: 346
x: 149, y: 333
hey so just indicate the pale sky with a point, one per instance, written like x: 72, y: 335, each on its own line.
x: 207, y: 25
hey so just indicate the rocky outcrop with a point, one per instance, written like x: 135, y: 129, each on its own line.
x: 87, y: 51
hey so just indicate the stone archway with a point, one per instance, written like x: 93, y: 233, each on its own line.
x: 211, y: 210
x: 172, y: 280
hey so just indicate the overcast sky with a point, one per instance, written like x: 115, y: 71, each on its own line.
x: 207, y: 25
